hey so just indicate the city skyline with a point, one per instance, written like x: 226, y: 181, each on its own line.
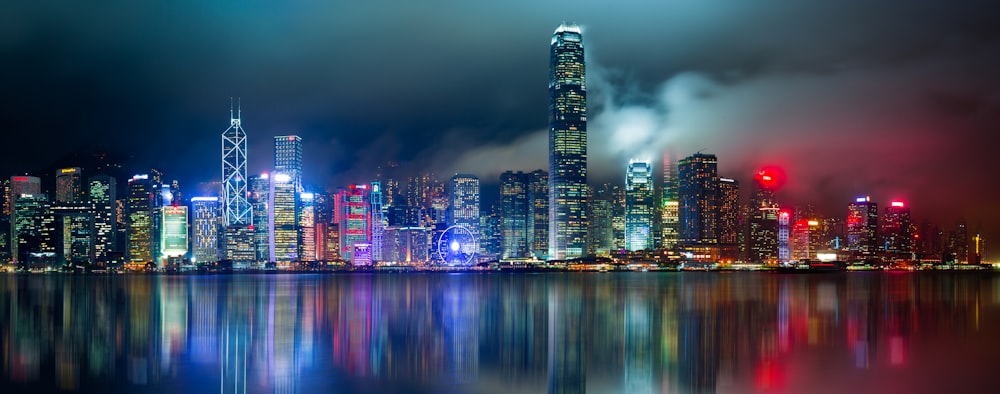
x: 932, y: 126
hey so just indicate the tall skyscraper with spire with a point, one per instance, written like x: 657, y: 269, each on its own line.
x: 234, y: 172
x: 567, y: 145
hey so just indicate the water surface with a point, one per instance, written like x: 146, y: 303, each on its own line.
x: 498, y: 333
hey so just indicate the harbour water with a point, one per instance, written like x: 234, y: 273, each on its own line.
x: 627, y: 332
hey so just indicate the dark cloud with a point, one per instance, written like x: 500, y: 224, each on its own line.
x: 889, y: 98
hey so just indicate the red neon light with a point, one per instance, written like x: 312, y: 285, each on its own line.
x: 20, y: 179
x: 898, y: 204
x: 291, y: 138
x: 769, y: 177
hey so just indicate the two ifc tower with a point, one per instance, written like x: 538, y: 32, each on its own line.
x: 567, y: 151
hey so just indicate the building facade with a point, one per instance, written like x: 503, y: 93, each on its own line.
x: 463, y: 206
x: 69, y: 185
x: 698, y: 192
x: 205, y: 225
x: 288, y: 158
x: 862, y: 226
x: 639, y: 206
x: 567, y: 145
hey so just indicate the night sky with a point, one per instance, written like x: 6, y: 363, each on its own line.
x: 895, y: 99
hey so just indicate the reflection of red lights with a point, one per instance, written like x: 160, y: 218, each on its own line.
x: 769, y: 376
x: 897, y: 350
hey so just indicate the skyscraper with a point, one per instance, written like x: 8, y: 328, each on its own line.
x: 762, y: 224
x: 669, y: 205
x: 514, y: 212
x: 102, y: 192
x: 283, y: 220
x: 74, y: 223
x: 897, y: 229
x: 69, y: 186
x: 354, y: 214
x: 173, y: 232
x: 234, y: 173
x: 567, y: 145
x: 862, y: 226
x: 288, y: 158
x: 805, y: 239
x: 729, y: 212
x: 307, y: 227
x: 538, y: 195
x: 18, y: 185
x: 377, y: 221
x: 639, y: 206
x: 205, y: 223
x: 602, y: 213
x: 464, y: 205
x: 34, y: 235
x: 698, y: 192
x: 141, y: 201
x: 259, y: 189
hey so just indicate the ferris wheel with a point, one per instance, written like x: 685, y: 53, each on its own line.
x: 457, y: 246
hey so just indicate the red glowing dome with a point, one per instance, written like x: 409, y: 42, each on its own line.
x: 770, y: 177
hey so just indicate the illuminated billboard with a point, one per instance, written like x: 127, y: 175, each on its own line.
x: 174, y: 231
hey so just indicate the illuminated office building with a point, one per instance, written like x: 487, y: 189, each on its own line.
x: 602, y: 214
x: 784, y: 236
x: 69, y: 185
x: 514, y: 213
x: 206, y: 224
x: 353, y: 212
x: 639, y: 206
x: 307, y: 227
x: 17, y: 186
x: 897, y: 230
x: 102, y: 193
x: 141, y: 203
x: 698, y: 192
x: 35, y: 237
x: 669, y: 205
x: 239, y: 248
x: 862, y: 226
x: 762, y: 223
x: 259, y: 199
x: 288, y: 158
x: 173, y: 232
x: 729, y: 212
x: 331, y: 233
x: 406, y: 245
x: 377, y: 220
x: 464, y: 205
x: 806, y: 239
x: 978, y: 249
x: 538, y: 198
x: 567, y: 145
x: 283, y: 215
x: 74, y: 224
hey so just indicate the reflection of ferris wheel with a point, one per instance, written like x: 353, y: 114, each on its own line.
x: 457, y: 246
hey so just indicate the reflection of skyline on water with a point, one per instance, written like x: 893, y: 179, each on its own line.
x: 560, y: 333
